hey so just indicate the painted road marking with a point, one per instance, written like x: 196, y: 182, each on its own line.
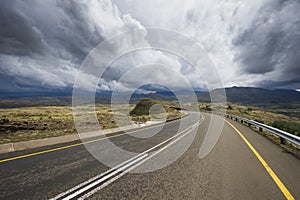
x: 77, y: 144
x: 64, y: 194
x: 278, y: 182
x: 133, y: 167
x: 97, y: 183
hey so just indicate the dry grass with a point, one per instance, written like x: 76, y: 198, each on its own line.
x: 253, y: 113
x: 266, y: 117
x: 35, y: 122
x: 28, y: 123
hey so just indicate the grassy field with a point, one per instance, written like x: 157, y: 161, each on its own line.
x: 273, y: 118
x: 28, y: 123
x: 21, y: 124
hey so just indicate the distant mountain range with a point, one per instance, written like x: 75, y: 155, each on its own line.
x: 240, y: 95
x: 257, y: 96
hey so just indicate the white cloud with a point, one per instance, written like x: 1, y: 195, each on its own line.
x: 48, y: 40
x: 54, y: 38
x: 218, y: 24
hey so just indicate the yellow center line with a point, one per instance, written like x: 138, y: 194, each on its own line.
x: 278, y: 182
x: 77, y: 144
x: 82, y: 143
x: 60, y: 148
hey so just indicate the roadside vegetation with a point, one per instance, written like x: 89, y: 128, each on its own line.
x: 28, y: 123
x: 272, y: 118
x: 20, y: 124
x: 141, y: 112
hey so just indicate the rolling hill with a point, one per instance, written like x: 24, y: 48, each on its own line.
x: 248, y: 96
x: 258, y: 97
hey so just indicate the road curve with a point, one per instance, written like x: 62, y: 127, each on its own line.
x: 230, y: 171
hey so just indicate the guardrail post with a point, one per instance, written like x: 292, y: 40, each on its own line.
x: 282, y: 140
x: 260, y: 129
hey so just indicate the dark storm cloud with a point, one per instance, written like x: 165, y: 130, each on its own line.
x: 42, y: 43
x: 272, y: 43
x: 57, y: 27
x: 78, y: 33
x: 17, y: 34
x: 292, y: 83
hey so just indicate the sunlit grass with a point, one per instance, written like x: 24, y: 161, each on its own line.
x: 28, y: 123
x: 272, y: 118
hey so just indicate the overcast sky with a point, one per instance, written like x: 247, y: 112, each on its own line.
x: 252, y: 43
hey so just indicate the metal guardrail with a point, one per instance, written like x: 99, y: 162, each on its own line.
x: 282, y: 134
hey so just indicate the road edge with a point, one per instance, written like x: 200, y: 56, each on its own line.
x: 31, y: 144
x: 18, y: 146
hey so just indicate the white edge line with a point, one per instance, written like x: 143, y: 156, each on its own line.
x: 103, y: 179
x: 138, y: 164
x: 126, y: 171
x: 131, y: 168
x: 94, y: 178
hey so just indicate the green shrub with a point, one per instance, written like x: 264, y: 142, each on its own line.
x: 142, y: 108
x: 259, y: 121
x: 290, y: 127
x: 229, y: 107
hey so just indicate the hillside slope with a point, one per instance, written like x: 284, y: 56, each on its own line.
x: 258, y: 97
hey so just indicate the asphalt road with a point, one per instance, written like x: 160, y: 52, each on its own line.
x: 230, y: 171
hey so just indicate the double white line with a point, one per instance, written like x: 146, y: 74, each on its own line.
x: 96, y: 183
